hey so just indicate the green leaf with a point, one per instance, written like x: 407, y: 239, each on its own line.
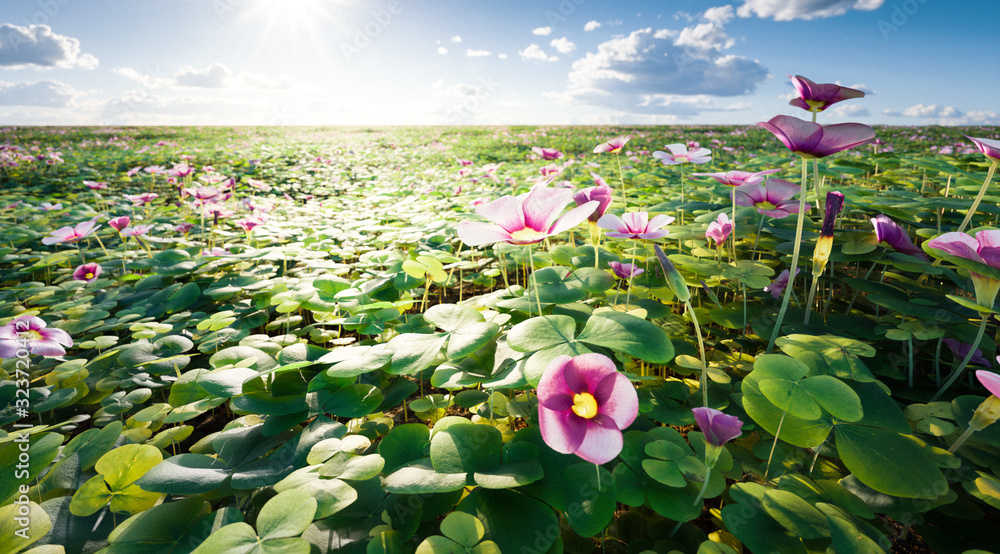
x: 158, y: 529
x: 795, y: 514
x: 286, y: 515
x: 436, y: 544
x: 590, y: 498
x: 403, y: 444
x: 452, y: 317
x: 419, y: 477
x: 510, y: 475
x: 627, y: 333
x: 789, y: 396
x: 345, y: 465
x: 889, y: 462
x: 181, y: 298
x: 332, y: 495
x: 538, y: 333
x: 413, y: 352
x: 466, y: 448
x: 235, y: 538
x: 351, y: 401
x: 463, y: 528
x: 185, y: 474
x: 514, y: 521
x: 796, y: 431
x: 12, y: 516
x: 118, y: 471
x: 467, y: 340
x: 834, y: 396
x: 42, y: 449
x: 842, y: 355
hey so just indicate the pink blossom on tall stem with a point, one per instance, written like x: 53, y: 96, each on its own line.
x: 719, y: 229
x: 71, y: 234
x: 96, y: 185
x: 961, y: 349
x: 814, y: 97
x: 626, y: 271
x: 203, y: 193
x: 990, y: 380
x: 180, y: 170
x: 49, y: 207
x: 249, y: 223
x: 679, y: 154
x: 525, y: 219
x: 259, y: 185
x: 635, y: 225
x: 87, y: 272
x: 142, y: 199
x: 735, y: 178
x: 719, y: 428
x: 612, y: 146
x: 584, y: 403
x: 601, y: 194
x: 773, y: 199
x: 989, y: 147
x: 120, y: 223
x: 183, y: 228
x: 154, y: 169
x: 136, y: 231
x: 889, y: 232
x: 547, y: 153
x: 134, y: 170
x: 33, y: 333
x: 812, y: 140
x: 778, y: 285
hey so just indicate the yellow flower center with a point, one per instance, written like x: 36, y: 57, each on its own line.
x: 30, y: 336
x: 89, y: 276
x: 584, y: 405
x: 815, y: 105
x: 765, y: 206
x: 527, y: 235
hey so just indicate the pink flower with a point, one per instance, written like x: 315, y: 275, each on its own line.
x: 547, y: 153
x: 778, y: 285
x: 183, y: 228
x: 136, y: 231
x: 180, y: 170
x: 465, y: 162
x: 259, y: 185
x: 719, y: 428
x: 32, y: 333
x: 87, y: 272
x: 142, y: 199
x: 120, y: 223
x: 249, y: 223
x: 889, y: 232
x: 812, y: 140
x: 134, y: 170
x: 815, y: 97
x: 961, y: 349
x: 601, y: 194
x: 49, y: 207
x: 736, y: 177
x: 773, y: 199
x: 71, y: 234
x: 526, y: 219
x: 583, y: 405
x: 613, y: 146
x: 985, y: 249
x: 96, y: 185
x: 679, y: 154
x: 203, y: 193
x: 635, y: 225
x: 626, y: 271
x: 154, y: 169
x: 719, y: 229
x: 989, y: 147
x: 990, y: 380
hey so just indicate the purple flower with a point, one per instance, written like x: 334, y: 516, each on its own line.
x: 96, y: 185
x: 815, y: 97
x: 547, y: 153
x: 142, y: 199
x: 773, y: 199
x: 812, y: 140
x: 180, y: 170
x: 635, y: 225
x: 583, y: 405
x: 778, y: 285
x: 32, y: 333
x: 71, y: 234
x: 680, y: 154
x: 526, y: 219
x: 736, y: 177
x: 889, y: 232
x: 989, y: 147
x: 834, y: 203
x: 990, y: 380
x: 961, y: 349
x: 87, y: 272
x: 613, y: 146
x: 120, y: 223
x: 719, y: 428
x: 626, y: 271
x: 719, y: 229
x: 985, y: 249
x: 601, y: 194
x: 136, y: 231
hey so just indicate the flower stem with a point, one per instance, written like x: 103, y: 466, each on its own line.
x: 701, y: 350
x: 972, y: 350
x: 812, y: 296
x: 795, y: 259
x: 531, y: 261
x: 767, y: 468
x: 701, y: 495
x: 979, y: 197
x: 968, y: 433
x: 621, y: 178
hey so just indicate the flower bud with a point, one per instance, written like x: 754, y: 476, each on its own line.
x: 674, y: 278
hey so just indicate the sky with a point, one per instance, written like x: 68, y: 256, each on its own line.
x: 489, y: 62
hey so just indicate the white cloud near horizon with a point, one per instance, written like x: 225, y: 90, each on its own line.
x: 788, y: 10
x: 38, y: 47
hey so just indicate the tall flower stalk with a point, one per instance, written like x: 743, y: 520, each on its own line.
x: 990, y: 149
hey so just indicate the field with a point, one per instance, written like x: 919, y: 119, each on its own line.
x: 416, y: 340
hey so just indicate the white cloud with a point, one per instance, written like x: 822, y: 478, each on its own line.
x: 456, y: 38
x: 38, y: 46
x: 476, y: 53
x: 214, y: 76
x: 648, y: 71
x: 563, y: 45
x: 442, y: 50
x: 851, y: 110
x: 704, y: 37
x: 542, y: 31
x: 502, y: 56
x: 46, y: 93
x: 932, y: 110
x: 719, y: 14
x: 787, y: 10
x: 535, y: 52
x: 592, y: 25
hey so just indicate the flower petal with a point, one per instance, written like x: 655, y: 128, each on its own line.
x: 989, y: 246
x: 574, y: 217
x: 476, y: 233
x: 504, y: 211
x: 843, y: 136
x: 617, y: 399
x: 989, y: 380
x: 958, y: 244
x: 564, y: 431
x: 603, y: 441
x: 46, y: 348
x: 541, y: 207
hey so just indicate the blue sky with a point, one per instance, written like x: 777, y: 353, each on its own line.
x: 450, y: 62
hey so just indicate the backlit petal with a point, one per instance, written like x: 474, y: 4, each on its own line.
x: 603, y: 441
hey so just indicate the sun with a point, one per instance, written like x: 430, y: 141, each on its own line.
x: 296, y: 23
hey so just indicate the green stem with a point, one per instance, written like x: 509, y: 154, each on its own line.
x: 968, y: 433
x: 979, y: 197
x: 701, y: 350
x: 767, y: 468
x: 812, y: 296
x: 972, y: 350
x: 621, y: 178
x: 531, y: 261
x: 795, y: 259
x: 701, y: 495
